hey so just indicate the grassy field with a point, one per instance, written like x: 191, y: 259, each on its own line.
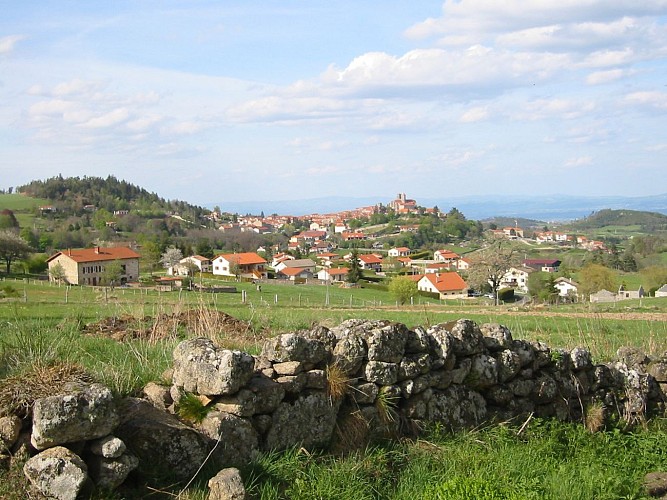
x: 45, y: 325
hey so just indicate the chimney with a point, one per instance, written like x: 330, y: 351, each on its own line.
x: 97, y: 249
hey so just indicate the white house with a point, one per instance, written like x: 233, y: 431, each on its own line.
x: 203, y: 265
x: 446, y: 285
x: 516, y: 278
x: 661, y: 292
x: 399, y: 252
x: 336, y: 274
x: 247, y: 265
x: 566, y: 287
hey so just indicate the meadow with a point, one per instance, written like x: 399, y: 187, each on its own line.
x: 44, y: 325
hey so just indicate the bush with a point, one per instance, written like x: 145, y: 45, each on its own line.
x: 506, y: 294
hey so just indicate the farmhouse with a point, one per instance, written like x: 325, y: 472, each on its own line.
x: 336, y: 274
x: 544, y: 265
x: 566, y: 287
x: 185, y: 265
x: 86, y: 266
x: 399, y: 252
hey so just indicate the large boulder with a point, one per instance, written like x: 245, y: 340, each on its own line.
x: 163, y: 444
x: 309, y: 421
x: 234, y: 438
x: 203, y: 368
x: 388, y: 343
x: 57, y: 473
x: 87, y: 413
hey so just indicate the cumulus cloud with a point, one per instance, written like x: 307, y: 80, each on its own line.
x: 608, y: 76
x: 8, y: 43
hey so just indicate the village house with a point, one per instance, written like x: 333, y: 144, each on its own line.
x: 624, y: 293
x: 446, y: 285
x: 446, y: 256
x: 516, y: 278
x: 86, y: 266
x: 544, y: 265
x: 335, y: 274
x: 661, y: 292
x: 370, y: 261
x: 567, y: 287
x: 328, y: 258
x: 308, y: 264
x: 403, y: 205
x: 244, y: 265
x: 513, y: 233
x: 201, y: 263
x: 353, y: 236
x: 280, y: 257
x: 297, y: 274
x: 399, y: 252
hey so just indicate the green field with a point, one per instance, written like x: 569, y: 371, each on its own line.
x: 44, y: 325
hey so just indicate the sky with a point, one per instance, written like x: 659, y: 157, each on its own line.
x: 240, y: 100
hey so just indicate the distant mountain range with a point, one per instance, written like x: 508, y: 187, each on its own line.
x: 544, y: 208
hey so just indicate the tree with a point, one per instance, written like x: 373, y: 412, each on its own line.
x: 112, y: 273
x: 12, y: 247
x: 8, y: 219
x: 596, y: 277
x: 57, y: 273
x: 489, y: 265
x: 355, y: 272
x: 403, y: 289
x: 171, y: 257
x: 654, y: 277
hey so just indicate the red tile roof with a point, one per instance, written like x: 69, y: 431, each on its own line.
x: 98, y: 254
x: 243, y: 259
x: 446, y: 282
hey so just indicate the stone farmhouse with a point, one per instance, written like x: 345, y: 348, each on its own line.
x: 86, y: 266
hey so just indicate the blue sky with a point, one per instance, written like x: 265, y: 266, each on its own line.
x: 214, y: 101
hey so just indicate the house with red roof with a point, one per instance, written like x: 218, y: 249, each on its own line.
x: 245, y: 265
x: 336, y: 274
x: 86, y: 266
x: 446, y: 285
x: 399, y: 252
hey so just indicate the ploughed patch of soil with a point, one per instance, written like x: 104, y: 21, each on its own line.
x: 200, y: 322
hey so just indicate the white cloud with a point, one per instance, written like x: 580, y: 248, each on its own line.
x: 8, y: 43
x: 109, y: 119
x: 475, y: 114
x: 650, y: 99
x: 580, y: 161
x: 608, y: 76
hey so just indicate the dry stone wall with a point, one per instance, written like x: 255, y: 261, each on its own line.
x: 321, y: 388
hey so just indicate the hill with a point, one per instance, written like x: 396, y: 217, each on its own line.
x: 644, y: 221
x: 73, y: 194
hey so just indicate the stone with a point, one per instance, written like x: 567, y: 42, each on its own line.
x: 461, y: 372
x: 658, y: 370
x: 633, y: 357
x: 109, y: 473
x: 468, y: 338
x: 442, y: 352
x: 82, y: 415
x: 268, y: 393
x: 413, y: 365
x: 509, y: 365
x: 580, y: 359
x: 161, y: 442
x: 496, y: 337
x: 308, y: 421
x: 158, y: 395
x: 294, y: 347
x: 483, y: 372
x: 10, y: 428
x: 417, y: 341
x: 457, y: 407
x: 316, y: 379
x: 201, y: 367
x: 349, y: 354
x: 226, y: 485
x: 234, y: 439
x: 288, y: 368
x: 365, y: 393
x: 381, y: 373
x: 107, y: 447
x: 525, y: 351
x: 241, y: 404
x: 655, y: 484
x: 544, y: 390
x: 293, y: 384
x: 57, y: 473
x: 388, y: 344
